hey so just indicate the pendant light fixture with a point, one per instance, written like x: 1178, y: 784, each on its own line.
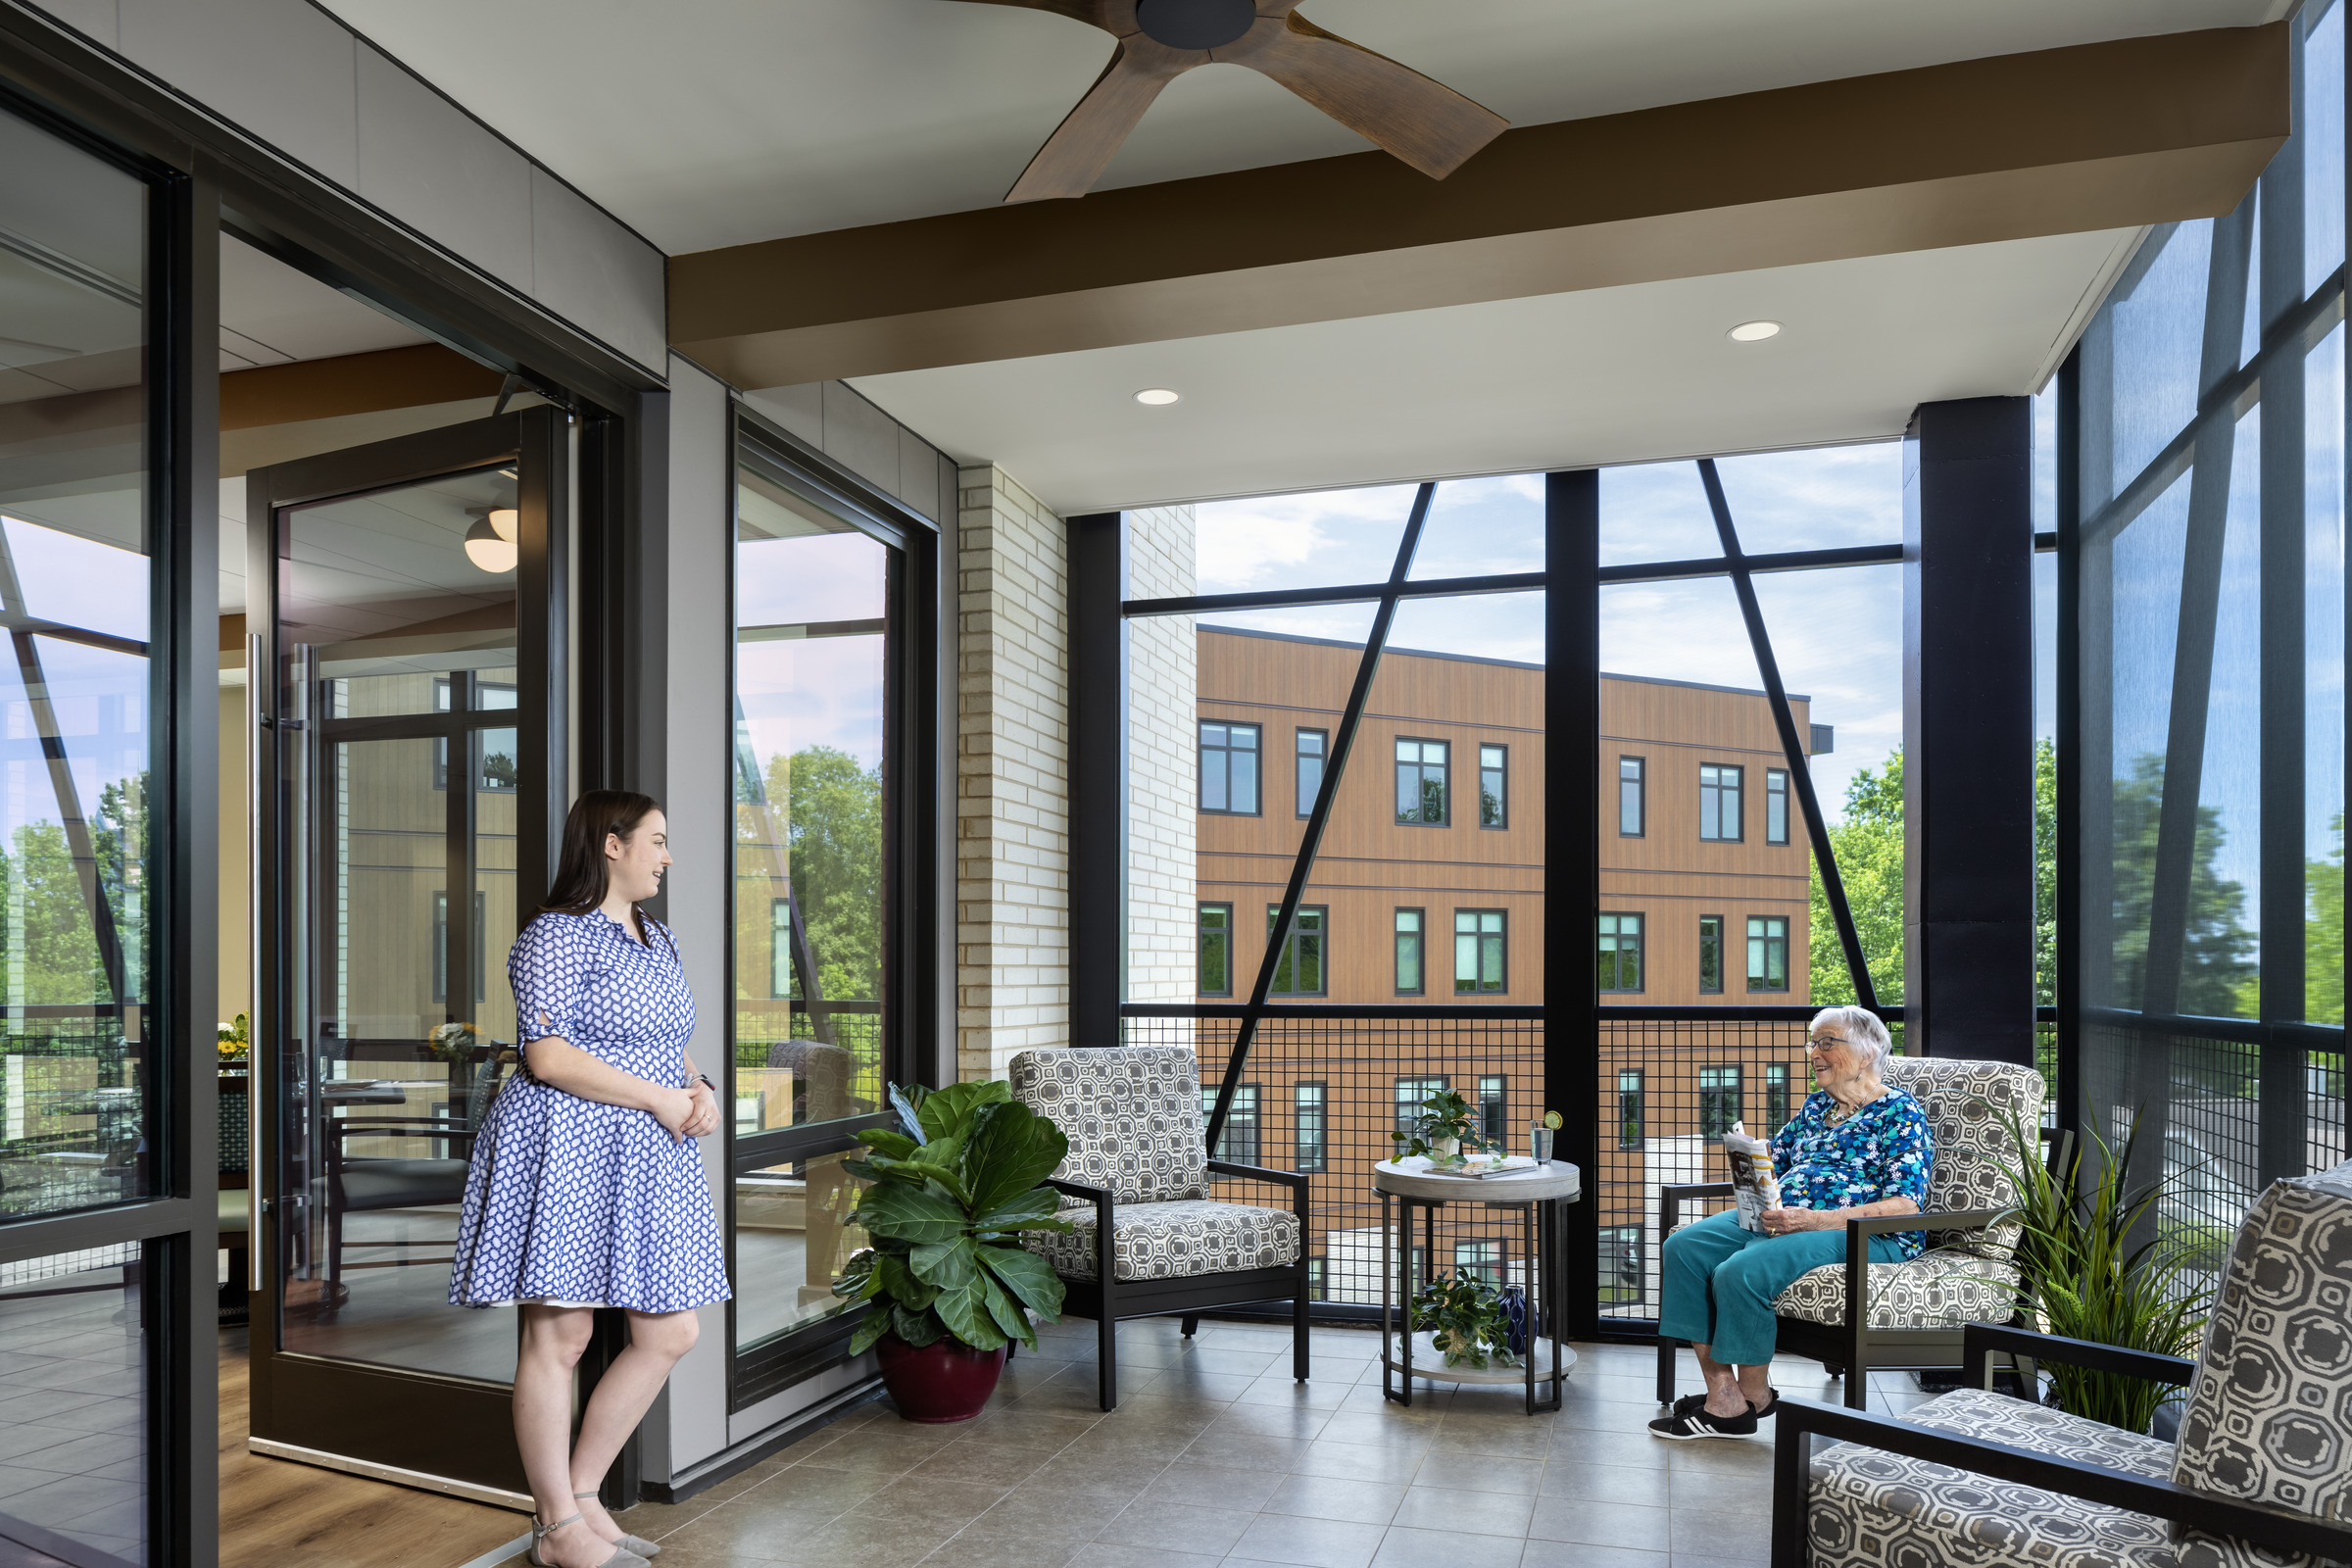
x: 490, y: 544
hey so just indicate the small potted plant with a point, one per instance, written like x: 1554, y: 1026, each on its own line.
x: 947, y: 1282
x: 1467, y: 1321
x: 1446, y: 1127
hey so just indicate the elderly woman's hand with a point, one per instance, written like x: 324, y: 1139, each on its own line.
x: 1787, y: 1221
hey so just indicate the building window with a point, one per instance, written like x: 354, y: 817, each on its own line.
x: 1633, y: 803
x: 1776, y: 806
x: 1229, y: 768
x: 498, y: 771
x: 780, y: 978
x: 1718, y: 1100
x: 1776, y: 1096
x: 1719, y: 801
x: 1216, y: 950
x: 1493, y: 1114
x: 1300, y: 971
x: 1621, y: 1265
x: 1411, y: 951
x: 1494, y: 770
x: 1478, y: 951
x: 1710, y: 953
x: 1308, y: 749
x: 1421, y: 783
x: 1238, y: 1140
x: 1629, y: 1107
x: 1620, y: 952
x: 1313, y: 1107
x: 1410, y: 1092
x: 1482, y: 1258
x: 1767, y: 953
x: 1318, y: 1284
x: 481, y: 919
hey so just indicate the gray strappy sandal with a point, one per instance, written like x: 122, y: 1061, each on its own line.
x: 622, y: 1557
x: 636, y: 1543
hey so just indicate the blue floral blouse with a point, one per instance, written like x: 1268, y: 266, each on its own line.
x: 1885, y: 1149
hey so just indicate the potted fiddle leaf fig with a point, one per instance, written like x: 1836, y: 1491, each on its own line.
x: 947, y: 1282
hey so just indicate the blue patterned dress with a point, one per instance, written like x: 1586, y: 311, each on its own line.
x: 1884, y: 1149
x: 571, y: 1200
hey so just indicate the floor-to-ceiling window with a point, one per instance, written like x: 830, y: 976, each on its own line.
x: 2205, y: 540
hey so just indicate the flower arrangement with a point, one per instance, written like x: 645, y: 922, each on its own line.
x: 236, y: 1040
x: 453, y: 1042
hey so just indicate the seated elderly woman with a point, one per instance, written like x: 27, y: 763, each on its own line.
x: 1856, y: 1148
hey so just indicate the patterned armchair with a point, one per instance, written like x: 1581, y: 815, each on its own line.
x: 2260, y: 1476
x: 1147, y: 1240
x: 1916, y: 1311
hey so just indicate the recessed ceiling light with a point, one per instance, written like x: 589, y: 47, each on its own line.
x: 1753, y: 331
x: 1157, y: 397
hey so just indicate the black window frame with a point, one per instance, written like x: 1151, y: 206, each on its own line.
x: 1640, y: 950
x: 1420, y: 938
x: 1319, y: 912
x: 1706, y: 944
x: 1770, y: 940
x: 1200, y: 936
x: 1776, y: 802
x: 1305, y: 797
x: 1616, y: 1242
x: 1201, y: 751
x: 1310, y: 1157
x: 1639, y: 780
x: 1246, y: 1117
x: 1445, y: 818
x: 1422, y: 1085
x: 1631, y: 1107
x: 1499, y: 797
x: 1501, y: 937
x: 1716, y: 787
x: 1495, y: 1105
x: 1776, y: 1096
x: 1713, y: 1120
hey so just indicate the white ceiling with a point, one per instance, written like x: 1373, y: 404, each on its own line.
x: 273, y: 315
x: 708, y: 123
x: 1603, y: 375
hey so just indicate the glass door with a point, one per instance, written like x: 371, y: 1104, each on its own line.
x: 407, y: 595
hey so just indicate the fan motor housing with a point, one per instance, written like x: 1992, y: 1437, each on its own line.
x: 1196, y: 23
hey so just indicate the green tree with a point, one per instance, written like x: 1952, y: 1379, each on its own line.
x: 2323, y: 933
x: 2045, y: 873
x: 834, y: 839
x: 1869, y: 846
x: 2218, y: 975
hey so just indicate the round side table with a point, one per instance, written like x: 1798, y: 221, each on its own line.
x: 1537, y: 1191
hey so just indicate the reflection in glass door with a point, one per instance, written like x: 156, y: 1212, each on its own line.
x: 412, y: 622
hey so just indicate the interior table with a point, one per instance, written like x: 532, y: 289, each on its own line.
x: 1537, y: 1191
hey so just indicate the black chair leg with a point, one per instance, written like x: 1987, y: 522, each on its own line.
x: 1190, y: 1324
x: 1107, y: 1357
x: 1666, y: 1370
x: 1299, y: 1334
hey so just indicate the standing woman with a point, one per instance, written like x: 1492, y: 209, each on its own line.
x: 587, y: 1190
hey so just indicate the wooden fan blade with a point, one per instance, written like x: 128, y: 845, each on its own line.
x: 1081, y: 147
x: 1424, y: 122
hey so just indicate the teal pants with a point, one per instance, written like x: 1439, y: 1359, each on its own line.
x: 1718, y: 1281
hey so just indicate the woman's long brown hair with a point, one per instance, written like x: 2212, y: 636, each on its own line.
x: 581, y: 876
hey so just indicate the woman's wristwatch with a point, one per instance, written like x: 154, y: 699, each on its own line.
x: 704, y: 1079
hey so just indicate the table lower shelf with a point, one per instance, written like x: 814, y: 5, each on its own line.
x: 1430, y: 1362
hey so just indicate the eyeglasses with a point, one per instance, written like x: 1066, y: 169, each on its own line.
x: 1824, y: 1042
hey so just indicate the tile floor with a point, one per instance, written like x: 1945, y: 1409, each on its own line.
x: 1215, y: 1456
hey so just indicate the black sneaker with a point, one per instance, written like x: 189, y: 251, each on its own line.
x: 1771, y: 1407
x: 1699, y: 1424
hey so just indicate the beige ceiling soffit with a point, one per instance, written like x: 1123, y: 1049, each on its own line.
x: 407, y: 377
x: 2111, y: 135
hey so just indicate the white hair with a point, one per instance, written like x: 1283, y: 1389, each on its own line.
x: 1862, y: 1029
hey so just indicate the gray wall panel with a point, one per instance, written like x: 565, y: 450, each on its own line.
x: 281, y: 69
x: 434, y: 166
x: 95, y: 18
x: 862, y: 437
x: 800, y: 409
x: 918, y: 475
x: 591, y: 272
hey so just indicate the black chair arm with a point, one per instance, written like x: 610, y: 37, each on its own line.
x: 1672, y: 1194
x: 1982, y: 1340
x: 1260, y: 1173
x: 1100, y: 1196
x: 1801, y: 1420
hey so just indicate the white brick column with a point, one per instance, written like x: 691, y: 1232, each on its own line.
x: 1161, y: 760
x: 1012, y: 919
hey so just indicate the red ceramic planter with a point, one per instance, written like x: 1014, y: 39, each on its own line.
x: 942, y: 1382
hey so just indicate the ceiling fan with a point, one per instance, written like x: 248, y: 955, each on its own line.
x: 1421, y: 121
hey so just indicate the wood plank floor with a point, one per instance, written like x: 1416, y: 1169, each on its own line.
x: 279, y: 1514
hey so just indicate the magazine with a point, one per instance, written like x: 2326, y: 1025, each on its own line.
x: 1753, y: 1186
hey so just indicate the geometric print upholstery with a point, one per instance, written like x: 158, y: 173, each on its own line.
x: 2269, y: 1418
x: 1874, y: 1509
x: 1131, y: 1114
x: 1971, y: 1107
x: 1933, y: 1290
x: 1170, y: 1240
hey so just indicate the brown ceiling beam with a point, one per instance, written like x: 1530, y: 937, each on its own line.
x: 2108, y: 136
x: 415, y: 376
